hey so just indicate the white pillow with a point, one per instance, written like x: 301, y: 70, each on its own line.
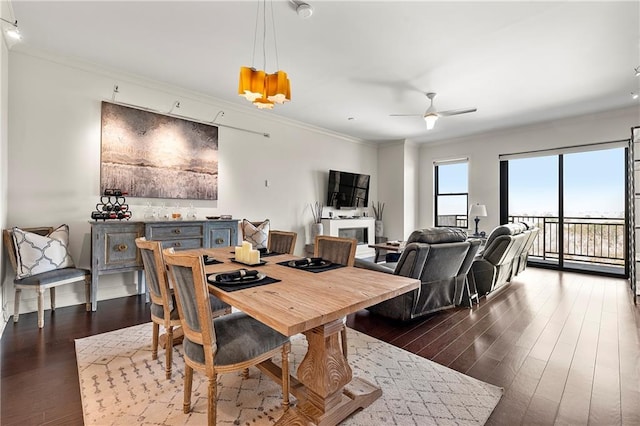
x: 38, y: 253
x: 258, y: 236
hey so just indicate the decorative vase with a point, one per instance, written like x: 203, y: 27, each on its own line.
x: 379, y: 228
x: 316, y: 229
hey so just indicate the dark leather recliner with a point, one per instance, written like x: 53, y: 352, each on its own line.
x: 440, y: 258
x: 500, y: 259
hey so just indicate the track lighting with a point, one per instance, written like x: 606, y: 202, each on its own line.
x: 13, y: 31
x: 634, y: 95
x: 637, y: 70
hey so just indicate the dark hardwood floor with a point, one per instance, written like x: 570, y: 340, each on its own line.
x: 564, y: 346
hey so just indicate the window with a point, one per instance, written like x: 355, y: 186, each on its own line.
x: 452, y: 193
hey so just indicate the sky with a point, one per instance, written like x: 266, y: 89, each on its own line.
x: 594, y: 185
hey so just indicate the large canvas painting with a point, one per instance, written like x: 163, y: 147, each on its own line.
x: 157, y: 156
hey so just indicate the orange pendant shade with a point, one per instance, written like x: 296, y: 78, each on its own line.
x: 278, y: 87
x: 251, y: 84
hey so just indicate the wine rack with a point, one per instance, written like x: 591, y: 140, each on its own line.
x: 112, y: 205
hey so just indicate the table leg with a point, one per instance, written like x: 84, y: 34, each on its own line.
x: 330, y: 392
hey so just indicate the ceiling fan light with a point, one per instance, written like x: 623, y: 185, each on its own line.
x: 431, y: 120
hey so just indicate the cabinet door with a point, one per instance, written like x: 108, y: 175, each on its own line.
x: 221, y: 233
x: 115, y: 246
x: 220, y: 237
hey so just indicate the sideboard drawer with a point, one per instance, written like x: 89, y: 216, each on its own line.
x: 184, y: 243
x: 163, y: 232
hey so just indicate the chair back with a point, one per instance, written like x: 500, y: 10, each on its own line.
x: 7, y: 239
x: 336, y: 249
x: 282, y: 241
x: 186, y: 273
x: 156, y: 273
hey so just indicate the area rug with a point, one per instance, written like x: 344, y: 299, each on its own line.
x: 122, y: 385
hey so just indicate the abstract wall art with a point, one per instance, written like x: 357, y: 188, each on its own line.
x: 157, y: 156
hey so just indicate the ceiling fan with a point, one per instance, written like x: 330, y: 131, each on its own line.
x: 431, y: 115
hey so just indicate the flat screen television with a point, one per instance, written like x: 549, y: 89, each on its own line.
x: 347, y: 190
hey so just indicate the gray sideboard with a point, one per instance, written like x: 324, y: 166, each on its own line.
x: 113, y: 247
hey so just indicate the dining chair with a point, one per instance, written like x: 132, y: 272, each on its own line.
x: 163, y: 306
x: 337, y: 250
x: 228, y: 343
x: 282, y: 241
x: 43, y: 280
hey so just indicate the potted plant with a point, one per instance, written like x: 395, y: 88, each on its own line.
x: 378, y: 209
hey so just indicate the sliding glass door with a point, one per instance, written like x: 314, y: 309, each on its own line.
x: 577, y: 199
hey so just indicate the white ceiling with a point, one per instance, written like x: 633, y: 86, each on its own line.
x: 517, y: 62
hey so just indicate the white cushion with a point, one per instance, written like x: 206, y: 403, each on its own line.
x: 258, y: 236
x: 38, y: 253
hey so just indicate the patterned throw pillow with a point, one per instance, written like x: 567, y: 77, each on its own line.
x: 258, y: 235
x: 38, y: 253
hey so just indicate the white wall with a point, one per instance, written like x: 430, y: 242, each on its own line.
x: 391, y: 188
x: 483, y: 151
x: 411, y: 189
x: 4, y: 84
x: 54, y: 153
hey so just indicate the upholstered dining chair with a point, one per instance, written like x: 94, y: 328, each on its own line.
x: 19, y: 255
x: 337, y: 250
x: 163, y: 308
x: 228, y: 343
x: 282, y: 241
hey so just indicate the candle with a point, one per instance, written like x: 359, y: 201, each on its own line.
x: 254, y: 257
x: 246, y: 249
x: 238, y: 253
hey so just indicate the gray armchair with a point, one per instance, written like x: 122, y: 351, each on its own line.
x: 440, y: 258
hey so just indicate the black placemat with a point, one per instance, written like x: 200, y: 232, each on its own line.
x: 236, y: 287
x: 272, y: 253
x: 211, y: 262
x: 262, y: 262
x: 324, y: 269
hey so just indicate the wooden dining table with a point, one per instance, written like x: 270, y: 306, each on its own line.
x: 313, y: 304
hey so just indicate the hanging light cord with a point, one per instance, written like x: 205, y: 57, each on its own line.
x: 275, y: 40
x: 264, y: 35
x: 255, y: 38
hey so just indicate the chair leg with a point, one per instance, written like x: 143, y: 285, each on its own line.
x: 16, y: 304
x: 52, y: 296
x: 188, y: 380
x: 286, y: 348
x: 87, y: 292
x: 245, y: 373
x: 211, y: 406
x: 40, y: 292
x: 154, y: 342
x: 168, y: 350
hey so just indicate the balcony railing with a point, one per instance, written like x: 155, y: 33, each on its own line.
x: 586, y: 240
x: 454, y: 220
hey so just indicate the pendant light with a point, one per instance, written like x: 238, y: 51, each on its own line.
x: 264, y: 90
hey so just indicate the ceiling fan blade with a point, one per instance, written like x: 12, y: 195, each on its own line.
x: 406, y: 115
x: 456, y: 112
